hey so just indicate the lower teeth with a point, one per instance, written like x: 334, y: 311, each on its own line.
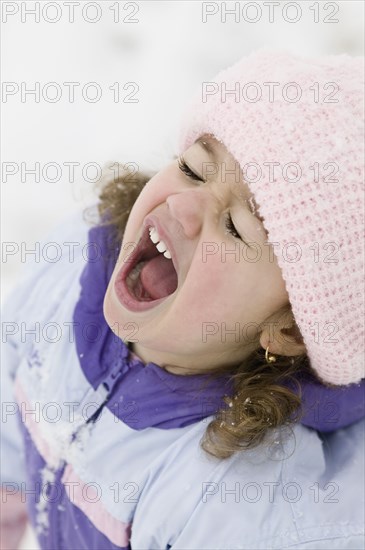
x: 135, y: 286
x: 134, y: 274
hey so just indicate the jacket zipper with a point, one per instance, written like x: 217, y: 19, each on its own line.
x: 99, y: 396
x: 55, y: 537
x: 105, y: 389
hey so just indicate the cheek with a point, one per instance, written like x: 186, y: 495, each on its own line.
x: 229, y: 290
x: 208, y: 291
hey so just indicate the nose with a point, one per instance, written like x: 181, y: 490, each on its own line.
x: 188, y: 207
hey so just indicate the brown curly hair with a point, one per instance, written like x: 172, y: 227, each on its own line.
x: 260, y: 402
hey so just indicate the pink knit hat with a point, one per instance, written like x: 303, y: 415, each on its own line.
x: 305, y: 114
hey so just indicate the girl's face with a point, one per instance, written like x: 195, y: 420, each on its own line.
x: 205, y: 307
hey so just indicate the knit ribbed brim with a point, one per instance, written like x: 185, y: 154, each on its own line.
x: 323, y: 212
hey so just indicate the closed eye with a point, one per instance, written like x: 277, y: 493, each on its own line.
x: 192, y: 175
x: 231, y: 228
x: 187, y: 170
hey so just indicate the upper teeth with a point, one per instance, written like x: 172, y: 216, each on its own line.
x: 161, y: 246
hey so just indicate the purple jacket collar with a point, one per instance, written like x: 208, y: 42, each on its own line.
x: 147, y: 395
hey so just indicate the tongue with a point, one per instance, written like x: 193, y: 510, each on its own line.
x: 159, y: 278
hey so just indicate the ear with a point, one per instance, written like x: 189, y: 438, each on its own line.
x: 283, y: 340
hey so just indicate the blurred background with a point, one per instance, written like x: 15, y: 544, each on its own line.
x: 147, y: 58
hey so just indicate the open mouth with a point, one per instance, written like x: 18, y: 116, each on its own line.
x: 148, y: 275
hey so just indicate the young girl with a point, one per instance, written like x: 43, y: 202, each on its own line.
x: 198, y: 382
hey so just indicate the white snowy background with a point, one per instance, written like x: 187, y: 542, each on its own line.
x: 168, y: 52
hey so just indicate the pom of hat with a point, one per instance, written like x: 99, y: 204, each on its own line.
x: 307, y: 115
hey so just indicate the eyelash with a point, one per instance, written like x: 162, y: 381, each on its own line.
x: 231, y: 228
x: 188, y: 172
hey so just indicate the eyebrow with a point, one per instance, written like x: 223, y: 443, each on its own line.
x: 208, y: 146
x: 253, y: 205
x: 256, y: 212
